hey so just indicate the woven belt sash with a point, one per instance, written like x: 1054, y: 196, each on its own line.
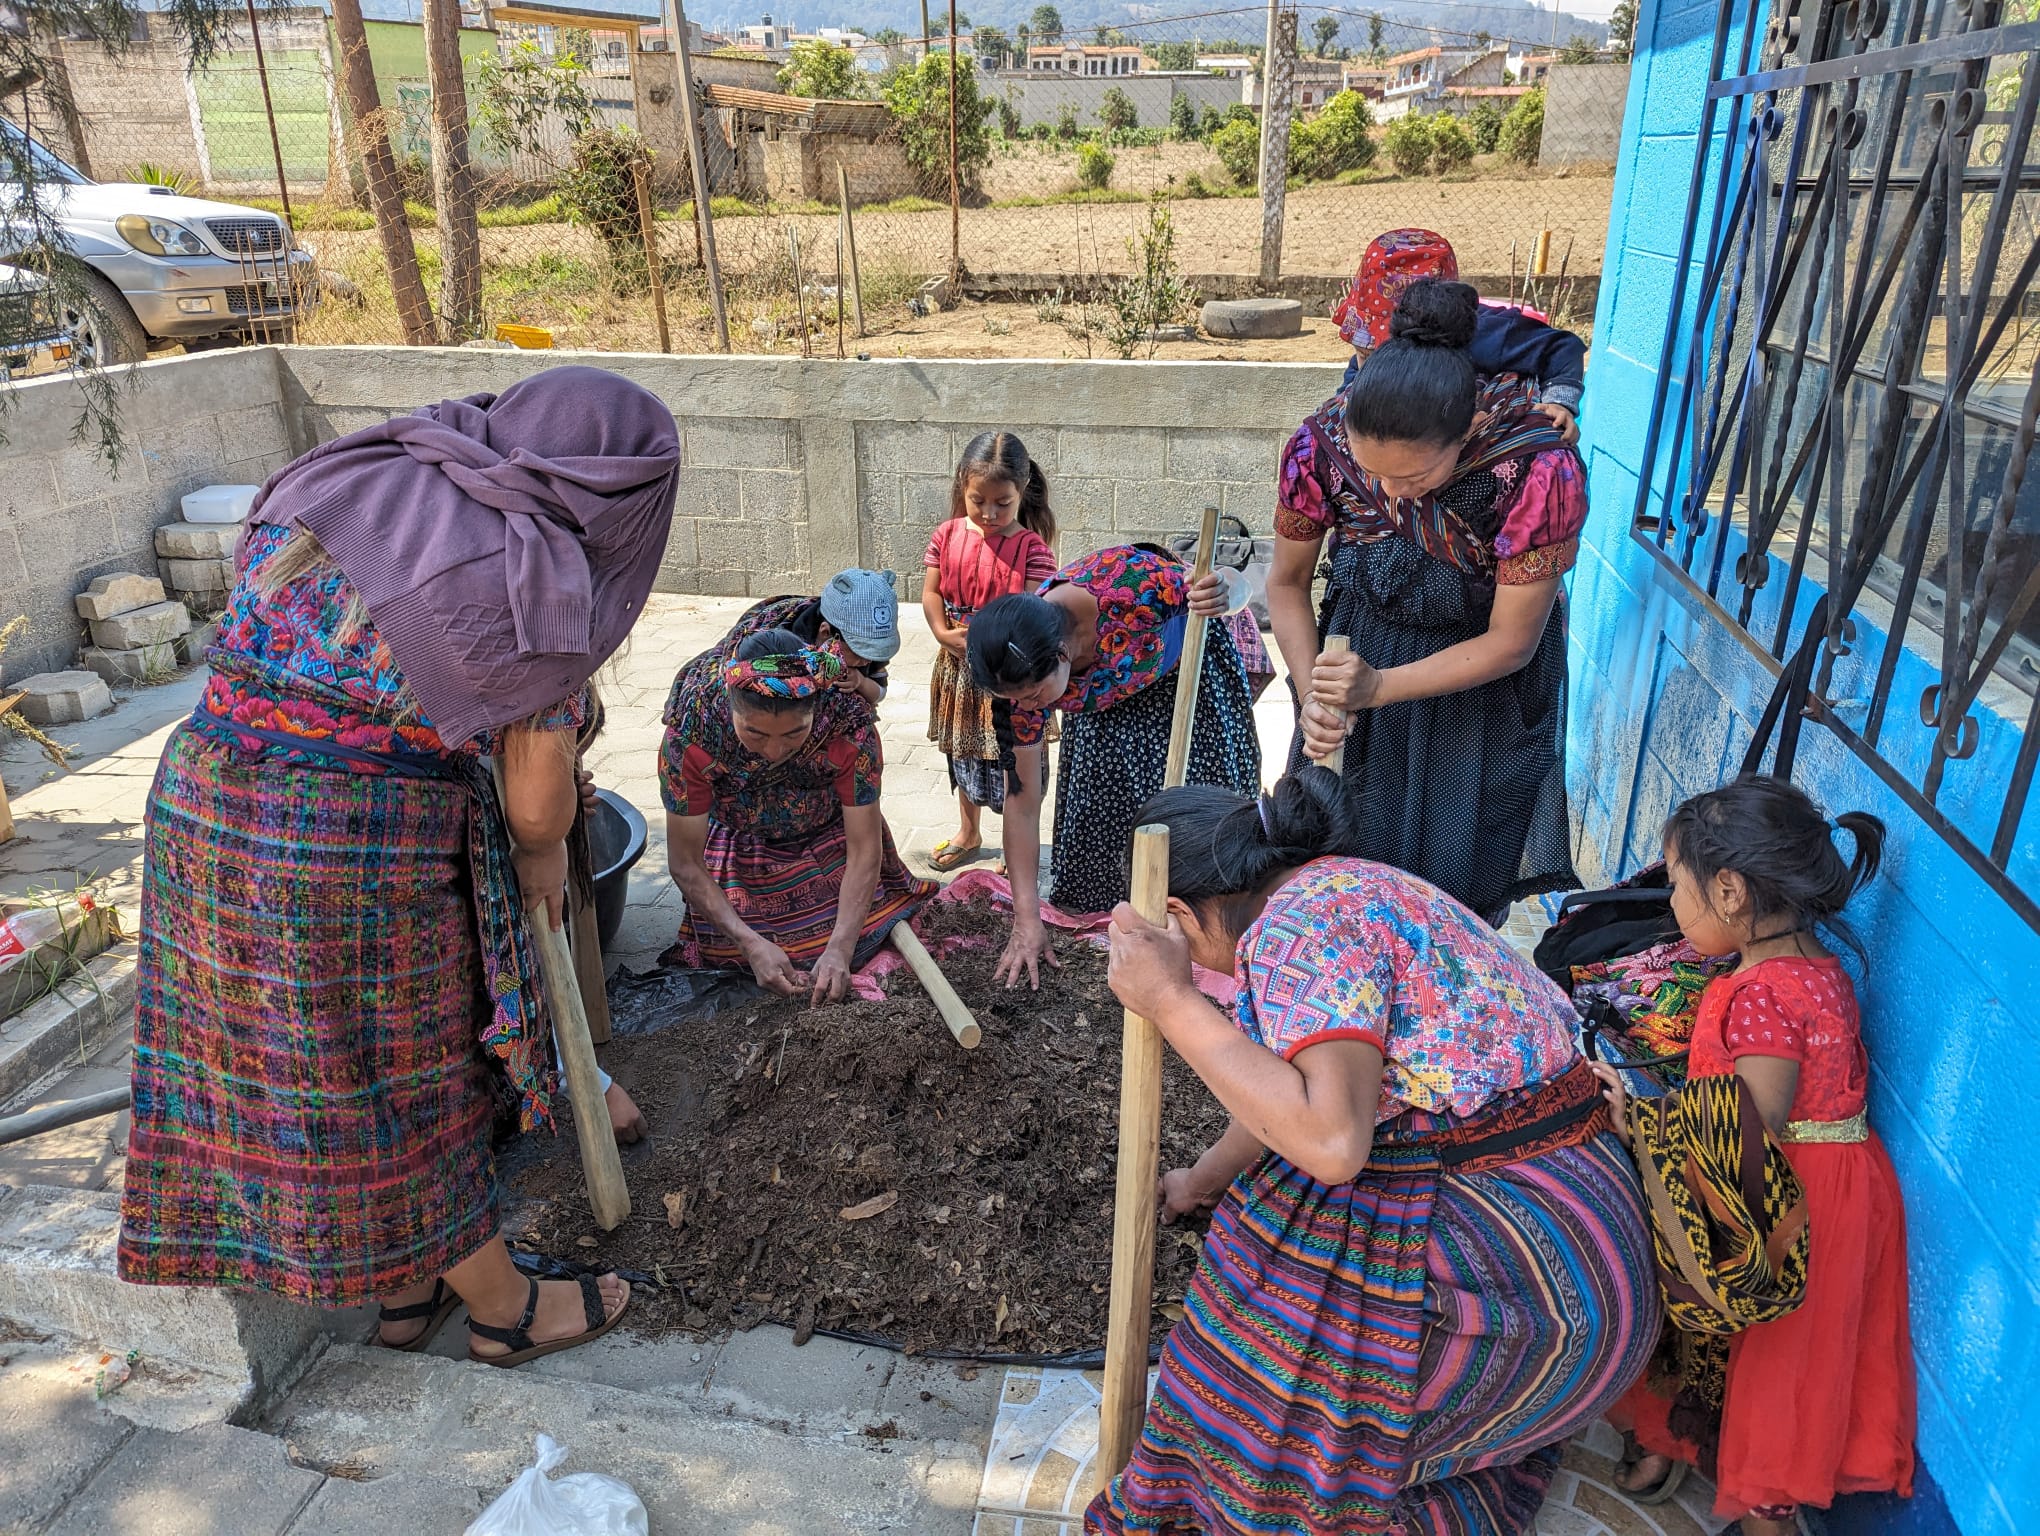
x: 1854, y: 1129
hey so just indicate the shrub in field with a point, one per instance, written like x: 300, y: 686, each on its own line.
x: 1336, y: 140
x: 1238, y: 147
x: 1182, y: 118
x: 1117, y: 112
x: 919, y: 101
x: 1451, y: 146
x: 1094, y: 166
x: 1522, y: 134
x: 1009, y: 119
x: 1409, y: 143
x: 1155, y: 296
x: 821, y: 68
x: 599, y: 192
x: 1066, y: 121
x: 1484, y: 124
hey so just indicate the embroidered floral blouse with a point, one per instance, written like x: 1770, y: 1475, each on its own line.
x: 1143, y: 597
x: 1802, y: 1010
x: 704, y: 770
x: 1514, y: 510
x: 1351, y: 950
x: 271, y: 643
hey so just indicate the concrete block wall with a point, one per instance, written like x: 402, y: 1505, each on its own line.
x: 1040, y: 96
x: 795, y: 469
x: 68, y: 515
x: 1583, y: 107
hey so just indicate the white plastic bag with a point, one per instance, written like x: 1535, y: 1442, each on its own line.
x: 580, y: 1504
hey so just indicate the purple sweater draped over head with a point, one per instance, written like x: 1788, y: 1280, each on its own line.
x: 503, y: 544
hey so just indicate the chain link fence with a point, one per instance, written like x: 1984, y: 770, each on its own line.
x: 1066, y: 147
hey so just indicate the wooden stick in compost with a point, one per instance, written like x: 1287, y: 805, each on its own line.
x: 1133, y: 1205
x: 1337, y: 645
x: 929, y: 974
x: 1192, y: 661
x: 588, y: 971
x: 601, y: 1166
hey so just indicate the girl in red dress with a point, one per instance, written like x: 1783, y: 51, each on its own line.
x: 998, y: 539
x: 1819, y: 1402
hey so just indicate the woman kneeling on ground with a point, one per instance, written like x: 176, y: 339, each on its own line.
x: 1100, y: 642
x: 1428, y: 1264
x: 333, y: 946
x: 773, y: 831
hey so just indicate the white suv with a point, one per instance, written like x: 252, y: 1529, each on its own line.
x: 159, y: 268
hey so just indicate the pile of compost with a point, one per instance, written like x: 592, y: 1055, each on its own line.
x: 850, y: 1168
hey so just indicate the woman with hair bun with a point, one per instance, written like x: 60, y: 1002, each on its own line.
x: 1100, y: 641
x: 1428, y: 1265
x: 1453, y: 509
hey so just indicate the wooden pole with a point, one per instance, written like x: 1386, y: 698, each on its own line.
x: 601, y: 1166
x: 955, y: 180
x: 1191, y: 664
x: 379, y: 170
x: 1133, y: 1204
x: 453, y: 177
x: 583, y: 926
x: 1540, y: 263
x: 641, y: 174
x: 929, y: 974
x: 839, y: 295
x: 697, y: 153
x: 1336, y: 645
x: 268, y: 110
x: 1278, y: 93
x: 799, y: 287
x: 850, y: 248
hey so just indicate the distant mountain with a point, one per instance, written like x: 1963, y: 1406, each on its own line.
x: 1407, y: 23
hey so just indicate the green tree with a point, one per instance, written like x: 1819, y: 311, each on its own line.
x: 599, y: 192
x: 1238, y: 147
x: 1066, y: 121
x: 1110, y: 37
x: 1117, y: 111
x: 1336, y: 140
x: 1522, y: 132
x: 1374, y: 30
x: 919, y: 101
x: 888, y: 37
x: 1175, y: 55
x: 1451, y: 145
x: 1484, y: 126
x: 822, y: 69
x: 994, y: 50
x: 1048, y: 24
x: 1009, y: 118
x: 517, y: 93
x: 1622, y: 29
x: 1409, y: 143
x: 1094, y: 166
x: 1579, y: 50
x: 1182, y: 117
x: 1324, y: 29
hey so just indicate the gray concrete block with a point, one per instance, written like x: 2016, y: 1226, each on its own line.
x: 198, y: 576
x: 63, y: 698
x: 709, y: 493
x: 773, y: 499
x: 132, y: 669
x: 109, y: 596
x: 74, y: 1017
x: 1219, y: 455
x: 405, y: 1503
x: 220, y: 1480
x: 736, y: 443
x: 731, y: 546
x: 191, y: 648
x: 1109, y: 452
x: 196, y: 541
x: 53, y: 1437
x: 912, y: 448
x: 153, y: 625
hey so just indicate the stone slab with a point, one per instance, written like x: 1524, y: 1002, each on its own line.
x: 198, y: 576
x: 197, y: 541
x: 53, y: 1435
x: 131, y: 669
x: 389, y: 1506
x: 218, y: 1480
x: 63, y: 698
x: 151, y: 625
x: 191, y: 648
x: 69, y: 1023
x: 122, y: 592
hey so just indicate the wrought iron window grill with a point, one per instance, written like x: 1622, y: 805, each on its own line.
x: 1839, y: 460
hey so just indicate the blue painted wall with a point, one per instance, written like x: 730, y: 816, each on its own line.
x: 1664, y: 701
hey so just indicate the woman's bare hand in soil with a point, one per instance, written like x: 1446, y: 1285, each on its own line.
x: 1026, y: 947
x: 1180, y: 1195
x: 773, y: 968
x: 831, y: 978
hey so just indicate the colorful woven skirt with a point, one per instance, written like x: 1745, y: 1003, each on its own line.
x: 1403, y: 1353
x: 787, y: 893
x: 960, y: 723
x: 312, y: 1106
x: 1112, y: 761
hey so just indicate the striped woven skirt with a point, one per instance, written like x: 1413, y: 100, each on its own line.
x: 1400, y: 1354
x: 787, y: 893
x: 312, y: 1106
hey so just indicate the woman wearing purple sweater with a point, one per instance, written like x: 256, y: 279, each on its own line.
x: 336, y: 985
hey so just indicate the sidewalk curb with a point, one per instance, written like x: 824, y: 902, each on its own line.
x: 68, y: 1025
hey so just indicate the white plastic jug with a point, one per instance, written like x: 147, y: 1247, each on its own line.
x: 219, y: 503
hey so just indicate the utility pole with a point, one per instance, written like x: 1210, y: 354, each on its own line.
x: 697, y: 149
x: 1278, y: 91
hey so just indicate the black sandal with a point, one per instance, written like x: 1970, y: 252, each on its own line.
x: 437, y: 1308
x: 521, y: 1347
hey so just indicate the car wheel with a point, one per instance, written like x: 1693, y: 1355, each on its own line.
x: 101, y: 321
